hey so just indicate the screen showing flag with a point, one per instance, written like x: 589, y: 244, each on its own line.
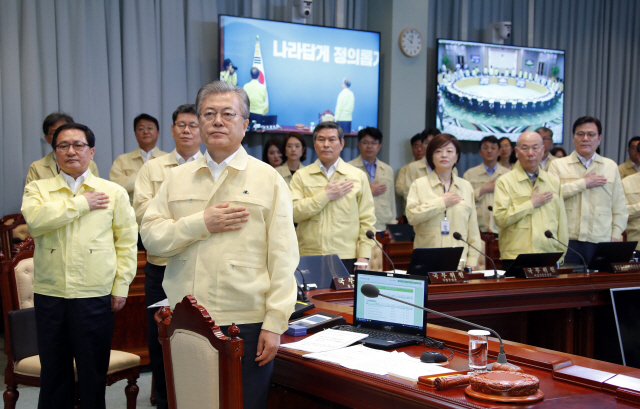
x: 294, y: 73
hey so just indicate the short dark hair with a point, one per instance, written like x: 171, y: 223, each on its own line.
x: 145, y: 117
x: 490, y: 139
x: 559, y: 149
x: 91, y: 138
x: 299, y: 137
x: 54, y: 117
x: 544, y: 129
x: 512, y: 158
x: 417, y: 137
x: 255, y: 73
x: 438, y: 142
x: 587, y: 120
x: 635, y: 138
x: 183, y: 109
x: 271, y: 142
x: 372, y: 132
x: 328, y: 125
x: 347, y: 82
x: 226, y: 63
x: 430, y: 131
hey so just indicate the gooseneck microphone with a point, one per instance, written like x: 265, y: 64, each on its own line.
x: 372, y: 236
x: 305, y: 288
x: 371, y: 291
x: 458, y: 236
x: 550, y: 236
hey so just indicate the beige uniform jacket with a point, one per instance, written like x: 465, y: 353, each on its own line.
x: 148, y: 182
x: 126, y: 167
x: 285, y: 172
x: 426, y: 209
x: 414, y: 170
x: 385, y: 203
x: 631, y: 186
x: 593, y: 215
x: 627, y: 169
x: 551, y: 159
x: 521, y: 226
x: 81, y: 253
x: 333, y: 226
x: 46, y: 168
x: 479, y: 177
x: 243, y: 276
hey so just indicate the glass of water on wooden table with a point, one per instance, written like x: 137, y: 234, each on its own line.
x: 478, y: 349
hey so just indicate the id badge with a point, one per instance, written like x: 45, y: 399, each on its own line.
x: 444, y: 227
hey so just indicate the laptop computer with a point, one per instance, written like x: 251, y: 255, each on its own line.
x: 611, y: 252
x: 389, y: 324
x: 432, y: 259
x: 401, y: 232
x: 531, y: 260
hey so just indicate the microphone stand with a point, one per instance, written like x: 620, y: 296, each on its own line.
x: 372, y: 236
x: 304, y: 286
x: 457, y: 236
x: 549, y: 235
x: 502, y: 357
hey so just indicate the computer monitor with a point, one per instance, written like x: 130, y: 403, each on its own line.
x: 319, y: 271
x: 627, y: 310
x: 611, y: 252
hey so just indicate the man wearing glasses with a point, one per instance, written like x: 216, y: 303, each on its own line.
x: 592, y: 192
x: 186, y: 134
x: 47, y: 167
x: 225, y: 221
x: 547, y: 140
x: 527, y: 202
x: 85, y: 258
x: 126, y: 166
x: 380, y: 176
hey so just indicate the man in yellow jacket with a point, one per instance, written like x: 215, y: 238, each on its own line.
x: 47, y: 167
x: 126, y: 166
x: 547, y: 140
x: 85, y: 258
x: 344, y: 106
x: 631, y: 185
x: 380, y: 176
x: 332, y: 202
x: 527, y: 202
x: 225, y: 222
x: 186, y: 134
x: 592, y: 192
x: 631, y: 165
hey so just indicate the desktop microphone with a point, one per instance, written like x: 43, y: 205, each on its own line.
x: 304, y: 286
x: 490, y: 208
x: 458, y: 236
x: 372, y: 236
x: 550, y: 236
x: 371, y: 291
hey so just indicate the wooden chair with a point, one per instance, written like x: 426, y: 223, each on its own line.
x: 202, y: 365
x: 13, y: 228
x: 23, y: 368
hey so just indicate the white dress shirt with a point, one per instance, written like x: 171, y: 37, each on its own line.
x: 329, y: 172
x: 584, y: 161
x: 74, y: 184
x: 216, y: 169
x: 147, y: 155
x: 182, y: 161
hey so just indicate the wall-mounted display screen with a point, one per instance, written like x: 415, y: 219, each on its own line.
x: 298, y: 74
x: 493, y: 89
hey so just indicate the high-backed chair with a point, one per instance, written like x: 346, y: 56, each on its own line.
x: 13, y: 228
x: 23, y: 362
x: 202, y: 366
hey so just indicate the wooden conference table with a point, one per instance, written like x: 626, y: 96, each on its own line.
x: 567, y: 380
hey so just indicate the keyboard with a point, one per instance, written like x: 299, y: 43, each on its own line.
x: 384, y: 335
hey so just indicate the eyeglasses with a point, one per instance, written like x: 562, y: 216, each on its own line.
x: 227, y: 116
x: 591, y: 135
x: 77, y: 146
x: 369, y: 143
x: 181, y: 125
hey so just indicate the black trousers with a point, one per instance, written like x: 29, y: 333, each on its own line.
x: 256, y: 380
x: 80, y: 328
x: 349, y: 264
x: 153, y: 293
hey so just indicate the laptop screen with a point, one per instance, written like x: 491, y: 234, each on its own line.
x: 383, y: 313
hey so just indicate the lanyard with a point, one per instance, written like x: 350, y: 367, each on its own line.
x: 444, y: 188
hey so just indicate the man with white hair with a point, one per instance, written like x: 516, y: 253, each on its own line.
x: 527, y: 202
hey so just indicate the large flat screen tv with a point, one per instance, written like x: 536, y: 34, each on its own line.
x: 492, y: 89
x: 307, y: 71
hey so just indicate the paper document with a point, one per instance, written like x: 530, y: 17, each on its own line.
x: 326, y: 340
x: 488, y: 273
x: 163, y: 303
x: 379, y: 362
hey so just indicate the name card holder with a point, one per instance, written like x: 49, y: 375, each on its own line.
x: 448, y: 277
x: 630, y: 267
x: 540, y: 272
x: 343, y: 283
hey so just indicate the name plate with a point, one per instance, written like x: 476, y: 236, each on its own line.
x: 540, y: 272
x: 343, y: 283
x: 448, y: 277
x: 630, y: 267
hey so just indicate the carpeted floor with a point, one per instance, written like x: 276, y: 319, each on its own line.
x: 115, y: 393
